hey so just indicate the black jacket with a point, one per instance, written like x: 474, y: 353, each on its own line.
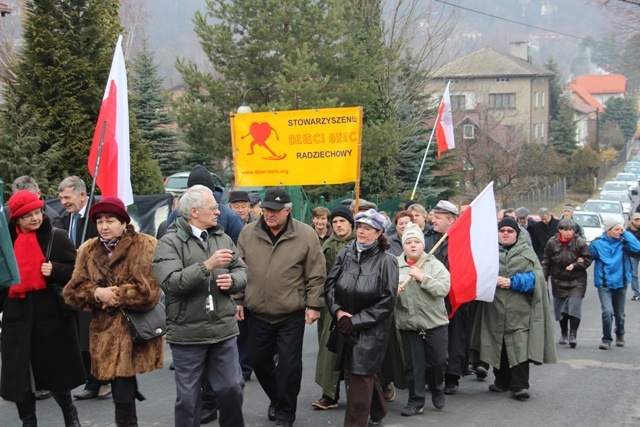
x: 367, y: 289
x: 541, y: 233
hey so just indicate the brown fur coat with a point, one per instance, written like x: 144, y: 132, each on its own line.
x: 113, y: 353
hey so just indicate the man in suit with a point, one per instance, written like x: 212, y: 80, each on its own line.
x: 72, y: 192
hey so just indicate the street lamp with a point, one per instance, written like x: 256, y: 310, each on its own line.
x: 244, y: 107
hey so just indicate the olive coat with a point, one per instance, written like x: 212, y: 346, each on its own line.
x: 36, y: 332
x: 113, y: 352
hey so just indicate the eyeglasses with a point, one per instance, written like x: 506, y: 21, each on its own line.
x: 31, y: 214
x: 212, y: 208
x: 507, y: 230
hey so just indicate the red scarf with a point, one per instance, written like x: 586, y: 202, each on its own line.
x: 30, y: 258
x: 563, y: 241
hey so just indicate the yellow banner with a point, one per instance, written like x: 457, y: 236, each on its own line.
x: 301, y: 147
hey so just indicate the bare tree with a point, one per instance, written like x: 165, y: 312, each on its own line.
x: 134, y: 17
x: 10, y: 36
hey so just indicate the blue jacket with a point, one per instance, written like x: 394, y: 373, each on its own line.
x: 612, y: 268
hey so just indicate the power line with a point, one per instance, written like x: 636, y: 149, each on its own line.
x: 513, y: 21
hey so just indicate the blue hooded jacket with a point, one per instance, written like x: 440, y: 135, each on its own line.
x: 612, y: 268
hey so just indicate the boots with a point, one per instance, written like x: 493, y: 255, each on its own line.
x: 572, y: 338
x: 69, y: 411
x: 27, y: 410
x: 126, y: 415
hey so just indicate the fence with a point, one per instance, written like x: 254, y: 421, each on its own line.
x: 547, y: 197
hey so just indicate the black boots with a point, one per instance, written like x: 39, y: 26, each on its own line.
x: 69, y: 411
x: 27, y: 410
x: 126, y: 415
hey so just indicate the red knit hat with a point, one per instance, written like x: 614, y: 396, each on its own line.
x: 109, y: 204
x: 23, y: 202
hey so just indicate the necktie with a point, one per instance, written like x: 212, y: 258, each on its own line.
x: 205, y: 238
x: 74, y: 227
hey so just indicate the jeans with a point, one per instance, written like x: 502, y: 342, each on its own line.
x: 634, y: 276
x: 612, y: 304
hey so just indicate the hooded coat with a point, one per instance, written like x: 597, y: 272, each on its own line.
x: 612, y: 268
x: 113, y: 352
x: 365, y: 287
x: 35, y: 331
x: 521, y: 320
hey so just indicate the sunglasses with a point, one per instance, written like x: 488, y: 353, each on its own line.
x: 507, y: 230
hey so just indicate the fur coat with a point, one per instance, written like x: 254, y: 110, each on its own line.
x: 113, y: 353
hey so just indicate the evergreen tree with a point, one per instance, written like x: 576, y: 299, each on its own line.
x: 623, y: 112
x: 562, y: 130
x: 300, y: 54
x: 59, y: 80
x: 150, y: 109
x: 555, y: 87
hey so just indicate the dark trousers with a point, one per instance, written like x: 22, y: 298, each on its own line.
x: 459, y: 331
x: 219, y: 362
x: 92, y: 383
x: 280, y: 382
x: 364, y: 399
x: 515, y: 378
x: 425, y: 360
x: 243, y: 348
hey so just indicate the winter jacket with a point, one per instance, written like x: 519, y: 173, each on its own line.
x: 36, y: 335
x: 612, y: 268
x: 395, y: 244
x: 366, y: 288
x: 113, y: 353
x: 555, y: 260
x: 442, y: 253
x: 178, y: 264
x: 285, y: 277
x: 541, y: 233
x: 333, y: 246
x: 421, y: 306
x: 520, y: 320
x: 9, y: 274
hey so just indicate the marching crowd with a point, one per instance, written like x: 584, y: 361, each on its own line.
x: 240, y: 282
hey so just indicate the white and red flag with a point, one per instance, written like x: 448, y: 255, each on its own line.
x: 114, y: 173
x: 444, y: 124
x: 473, y: 252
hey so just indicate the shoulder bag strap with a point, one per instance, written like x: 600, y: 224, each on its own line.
x: 50, y: 244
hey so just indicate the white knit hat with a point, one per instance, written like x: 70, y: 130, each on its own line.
x: 412, y: 230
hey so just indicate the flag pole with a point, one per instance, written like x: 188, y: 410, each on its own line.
x: 413, y: 193
x: 420, y: 264
x: 93, y: 183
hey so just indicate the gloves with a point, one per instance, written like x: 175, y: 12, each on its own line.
x: 345, y: 326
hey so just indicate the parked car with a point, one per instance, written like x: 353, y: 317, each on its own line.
x: 617, y: 187
x: 624, y: 199
x: 177, y: 183
x: 607, y: 209
x: 591, y: 224
x: 631, y: 180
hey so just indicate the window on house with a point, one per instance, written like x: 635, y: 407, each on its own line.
x: 535, y: 131
x: 541, y: 130
x: 535, y: 99
x: 453, y: 81
x: 502, y: 79
x: 468, y: 132
x: 458, y: 102
x: 502, y: 101
x: 543, y: 99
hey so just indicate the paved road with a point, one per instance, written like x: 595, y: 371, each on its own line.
x: 587, y: 387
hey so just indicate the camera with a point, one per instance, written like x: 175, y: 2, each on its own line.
x: 209, y: 307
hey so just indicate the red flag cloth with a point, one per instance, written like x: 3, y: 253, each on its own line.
x: 444, y: 125
x: 473, y: 252
x: 114, y: 173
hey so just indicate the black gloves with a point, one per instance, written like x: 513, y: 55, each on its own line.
x: 345, y: 326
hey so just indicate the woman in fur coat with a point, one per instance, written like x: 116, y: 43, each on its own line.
x: 39, y: 336
x: 113, y: 272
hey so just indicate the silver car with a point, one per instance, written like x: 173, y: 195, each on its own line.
x: 631, y: 180
x: 606, y: 209
x: 625, y: 199
x: 591, y: 224
x: 617, y: 187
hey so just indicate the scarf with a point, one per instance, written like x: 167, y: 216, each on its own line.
x: 30, y: 258
x: 361, y: 248
x: 110, y: 245
x: 563, y: 241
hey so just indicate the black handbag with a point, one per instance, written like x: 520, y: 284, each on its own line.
x: 65, y: 308
x: 146, y: 325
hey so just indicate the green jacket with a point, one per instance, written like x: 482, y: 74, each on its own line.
x: 178, y: 264
x: 521, y: 320
x: 9, y: 274
x: 333, y: 245
x: 421, y: 305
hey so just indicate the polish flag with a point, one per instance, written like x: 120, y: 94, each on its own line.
x: 114, y: 169
x: 473, y: 252
x: 444, y: 125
